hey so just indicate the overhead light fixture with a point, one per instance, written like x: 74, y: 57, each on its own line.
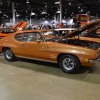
x: 32, y: 13
x: 17, y: 15
x: 81, y: 10
x: 0, y: 12
x: 7, y: 16
x: 27, y: 1
x: 57, y: 2
x: 4, y: 14
x: 79, y: 7
x: 58, y: 12
x: 45, y: 6
x: 70, y: 3
x: 44, y: 12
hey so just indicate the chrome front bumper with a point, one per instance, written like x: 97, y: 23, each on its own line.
x: 94, y: 61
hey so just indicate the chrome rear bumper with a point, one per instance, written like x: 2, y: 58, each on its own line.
x: 94, y: 61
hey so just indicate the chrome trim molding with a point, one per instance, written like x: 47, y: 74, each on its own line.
x: 36, y: 59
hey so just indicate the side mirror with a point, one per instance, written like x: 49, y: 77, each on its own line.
x: 38, y: 41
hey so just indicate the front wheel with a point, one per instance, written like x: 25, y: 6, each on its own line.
x: 69, y: 63
x: 9, y: 55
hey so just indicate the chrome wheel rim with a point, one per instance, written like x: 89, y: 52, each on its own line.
x: 8, y: 54
x: 68, y: 64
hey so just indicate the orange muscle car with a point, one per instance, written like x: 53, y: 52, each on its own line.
x: 36, y: 44
x: 17, y: 27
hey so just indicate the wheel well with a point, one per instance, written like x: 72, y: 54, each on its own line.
x: 5, y: 48
x: 66, y: 54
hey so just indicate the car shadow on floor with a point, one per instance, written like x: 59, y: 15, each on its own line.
x: 83, y: 69
x: 87, y: 74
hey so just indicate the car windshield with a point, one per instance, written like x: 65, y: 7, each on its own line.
x: 7, y: 30
x: 51, y: 36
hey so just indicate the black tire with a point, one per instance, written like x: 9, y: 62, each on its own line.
x: 69, y: 63
x: 9, y: 55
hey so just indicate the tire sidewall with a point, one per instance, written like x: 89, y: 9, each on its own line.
x: 12, y: 57
x: 74, y: 59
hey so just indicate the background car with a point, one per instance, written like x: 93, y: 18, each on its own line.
x: 17, y: 27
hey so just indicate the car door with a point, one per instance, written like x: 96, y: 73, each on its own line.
x: 34, y: 49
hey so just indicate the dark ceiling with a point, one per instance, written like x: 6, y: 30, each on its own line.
x: 47, y: 9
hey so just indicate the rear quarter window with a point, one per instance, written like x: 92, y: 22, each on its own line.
x: 19, y: 37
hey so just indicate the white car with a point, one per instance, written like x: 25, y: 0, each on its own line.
x: 65, y: 31
x: 59, y: 32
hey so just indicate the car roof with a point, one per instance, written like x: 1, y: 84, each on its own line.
x: 35, y: 30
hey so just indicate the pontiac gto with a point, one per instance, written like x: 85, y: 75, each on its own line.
x: 68, y: 51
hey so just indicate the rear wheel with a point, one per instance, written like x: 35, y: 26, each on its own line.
x: 69, y: 63
x: 9, y: 55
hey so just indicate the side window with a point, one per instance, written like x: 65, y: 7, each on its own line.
x: 25, y: 38
x: 34, y: 36
x: 19, y: 36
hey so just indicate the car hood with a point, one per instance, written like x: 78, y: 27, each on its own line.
x: 81, y: 29
x: 14, y: 27
x: 19, y: 26
x: 93, y: 30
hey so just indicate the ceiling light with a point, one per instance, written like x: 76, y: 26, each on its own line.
x: 7, y: 16
x: 32, y: 13
x: 44, y: 12
x: 27, y: 1
x: 81, y: 10
x: 0, y: 12
x: 72, y: 13
x: 78, y: 7
x: 4, y: 14
x: 57, y: 2
x: 45, y: 6
x: 69, y: 3
x: 88, y: 12
x: 17, y: 15
x: 58, y: 12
